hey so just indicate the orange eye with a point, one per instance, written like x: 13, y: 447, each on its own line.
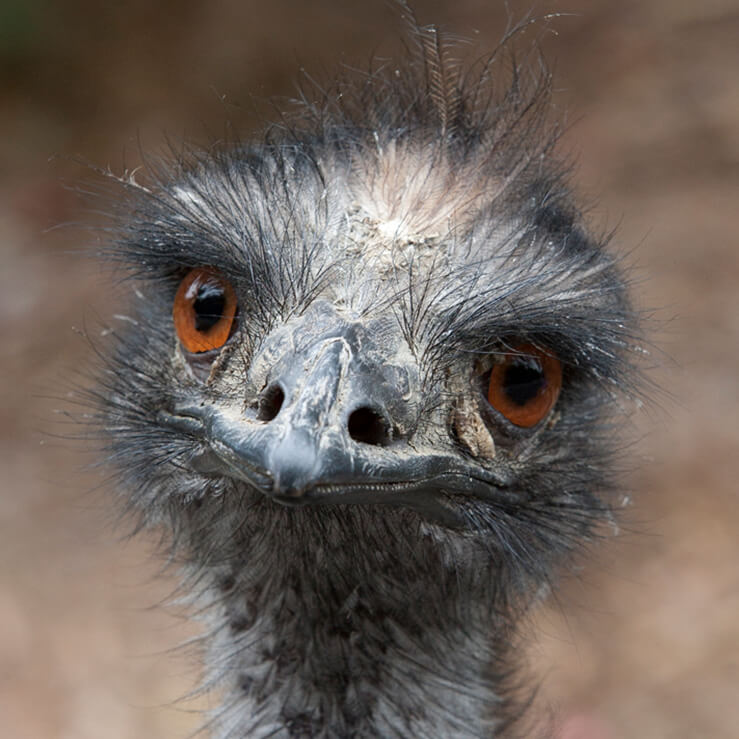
x: 204, y: 310
x: 525, y: 386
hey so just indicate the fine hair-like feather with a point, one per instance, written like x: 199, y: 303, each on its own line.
x: 417, y: 218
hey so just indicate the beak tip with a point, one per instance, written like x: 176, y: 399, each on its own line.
x: 287, y: 490
x: 293, y: 464
x: 289, y: 499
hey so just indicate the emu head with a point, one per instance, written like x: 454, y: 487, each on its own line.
x: 366, y: 386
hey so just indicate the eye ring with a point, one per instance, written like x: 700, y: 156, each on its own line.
x: 204, y: 310
x: 525, y: 385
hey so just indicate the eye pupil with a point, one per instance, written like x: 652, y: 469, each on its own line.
x: 523, y: 381
x: 208, y: 307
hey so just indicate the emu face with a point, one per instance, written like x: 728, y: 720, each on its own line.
x: 367, y: 384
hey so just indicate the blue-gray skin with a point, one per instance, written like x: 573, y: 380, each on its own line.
x: 360, y: 528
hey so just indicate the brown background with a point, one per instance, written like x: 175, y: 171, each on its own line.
x: 645, y: 641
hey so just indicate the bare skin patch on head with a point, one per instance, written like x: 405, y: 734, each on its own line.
x: 408, y: 200
x: 471, y: 430
x: 469, y: 427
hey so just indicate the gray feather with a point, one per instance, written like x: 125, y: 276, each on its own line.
x: 419, y: 215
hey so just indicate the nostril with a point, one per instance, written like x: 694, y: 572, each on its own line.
x: 368, y: 427
x: 270, y: 402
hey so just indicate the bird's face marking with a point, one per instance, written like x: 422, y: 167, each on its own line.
x: 470, y: 429
x: 407, y: 203
x: 418, y: 191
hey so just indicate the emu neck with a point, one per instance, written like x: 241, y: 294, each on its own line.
x: 317, y: 640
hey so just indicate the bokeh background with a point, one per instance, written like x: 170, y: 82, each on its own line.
x: 644, y: 642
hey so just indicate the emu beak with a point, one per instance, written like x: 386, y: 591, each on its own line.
x: 322, y: 421
x: 332, y: 425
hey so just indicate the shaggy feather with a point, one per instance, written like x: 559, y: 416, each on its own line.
x: 425, y: 207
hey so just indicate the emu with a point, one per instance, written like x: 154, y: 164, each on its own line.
x: 368, y: 390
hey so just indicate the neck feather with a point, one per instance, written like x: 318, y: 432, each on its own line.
x: 356, y: 623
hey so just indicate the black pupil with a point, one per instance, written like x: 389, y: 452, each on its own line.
x: 523, y: 380
x: 208, y: 305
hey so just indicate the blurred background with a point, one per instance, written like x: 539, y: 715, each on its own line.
x: 645, y: 641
